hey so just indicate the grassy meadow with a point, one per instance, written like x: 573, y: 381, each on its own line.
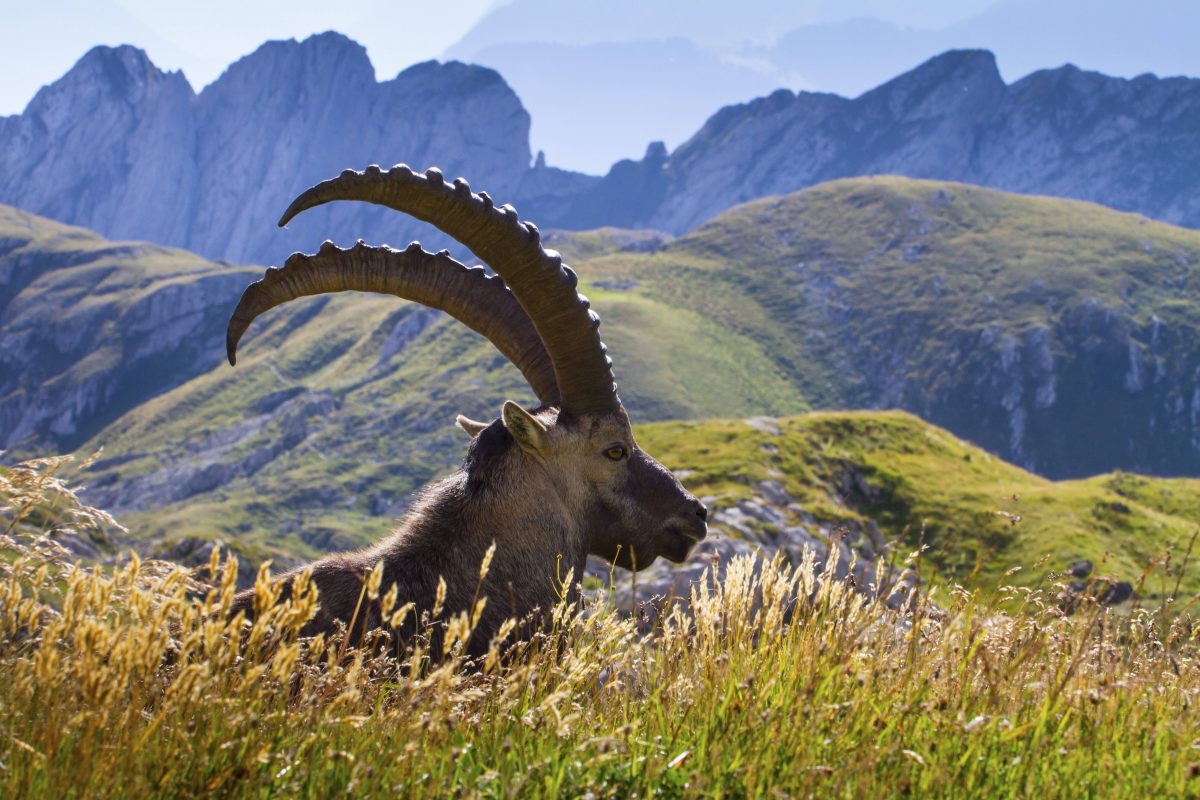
x: 133, y: 682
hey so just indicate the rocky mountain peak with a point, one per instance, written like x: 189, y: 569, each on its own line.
x: 315, y: 65
x: 970, y: 65
x: 656, y: 154
x: 103, y: 75
x: 472, y: 76
x: 1127, y: 144
x: 947, y: 83
x: 123, y: 68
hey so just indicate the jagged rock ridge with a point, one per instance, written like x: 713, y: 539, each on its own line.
x: 130, y: 151
x: 1132, y: 145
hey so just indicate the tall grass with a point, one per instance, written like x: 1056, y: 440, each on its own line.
x: 133, y: 683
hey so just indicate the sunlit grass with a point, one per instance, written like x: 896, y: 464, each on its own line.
x: 978, y: 515
x: 133, y: 682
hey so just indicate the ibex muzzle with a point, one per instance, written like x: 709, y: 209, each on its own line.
x: 550, y: 485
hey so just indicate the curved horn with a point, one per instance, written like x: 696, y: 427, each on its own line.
x: 481, y: 302
x: 543, y: 285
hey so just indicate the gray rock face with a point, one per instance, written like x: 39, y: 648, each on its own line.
x: 1129, y: 144
x: 130, y: 151
x: 91, y: 328
x: 100, y: 147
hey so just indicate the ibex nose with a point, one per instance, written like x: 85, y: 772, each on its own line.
x: 702, y: 511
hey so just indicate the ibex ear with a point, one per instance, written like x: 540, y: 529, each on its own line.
x: 469, y: 425
x: 527, y: 429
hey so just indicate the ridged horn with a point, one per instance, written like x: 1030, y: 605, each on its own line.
x: 480, y: 301
x: 544, y: 286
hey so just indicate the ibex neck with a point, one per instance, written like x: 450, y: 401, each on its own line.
x: 529, y: 512
x: 538, y: 541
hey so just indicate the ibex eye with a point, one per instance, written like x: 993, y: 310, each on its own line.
x: 615, y: 453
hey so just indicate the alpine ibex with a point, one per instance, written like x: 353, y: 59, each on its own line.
x: 548, y: 486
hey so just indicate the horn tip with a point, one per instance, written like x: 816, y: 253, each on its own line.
x: 292, y: 210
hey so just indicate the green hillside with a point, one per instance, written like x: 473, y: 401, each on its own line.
x: 1060, y: 334
x: 330, y: 465
x: 338, y: 410
x: 978, y: 515
x: 314, y: 443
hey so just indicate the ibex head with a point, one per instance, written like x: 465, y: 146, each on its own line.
x: 574, y: 453
x: 631, y: 509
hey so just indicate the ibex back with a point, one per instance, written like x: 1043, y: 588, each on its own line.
x: 548, y: 486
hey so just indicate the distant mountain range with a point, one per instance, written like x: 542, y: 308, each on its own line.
x: 120, y: 147
x: 1133, y: 145
x: 664, y: 66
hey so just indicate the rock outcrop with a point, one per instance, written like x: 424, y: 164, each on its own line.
x: 93, y: 328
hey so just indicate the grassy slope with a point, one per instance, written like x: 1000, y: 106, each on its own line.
x: 886, y: 292
x: 924, y: 479
x: 84, y: 311
x: 393, y: 427
x: 123, y: 683
x: 84, y: 321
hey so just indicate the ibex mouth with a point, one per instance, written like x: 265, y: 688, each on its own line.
x: 692, y: 530
x: 680, y: 536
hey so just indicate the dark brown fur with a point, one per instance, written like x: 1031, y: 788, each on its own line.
x: 548, y: 493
